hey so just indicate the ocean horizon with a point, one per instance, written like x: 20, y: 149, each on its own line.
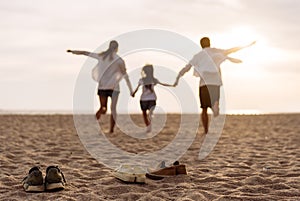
x: 71, y: 112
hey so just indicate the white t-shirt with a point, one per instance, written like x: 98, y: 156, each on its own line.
x: 108, y: 73
x: 207, y: 66
x: 147, y: 94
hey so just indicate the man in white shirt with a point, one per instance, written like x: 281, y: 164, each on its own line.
x: 207, y: 66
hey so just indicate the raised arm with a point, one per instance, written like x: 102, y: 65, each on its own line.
x: 181, y: 73
x: 86, y: 53
x: 235, y: 49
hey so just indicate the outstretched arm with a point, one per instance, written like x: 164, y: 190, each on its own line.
x: 235, y: 49
x: 86, y: 53
x: 164, y: 84
x: 181, y: 73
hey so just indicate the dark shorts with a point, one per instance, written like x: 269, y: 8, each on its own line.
x: 107, y: 92
x: 147, y: 105
x: 209, y: 94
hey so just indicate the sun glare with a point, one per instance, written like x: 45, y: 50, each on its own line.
x: 241, y: 35
x: 256, y: 56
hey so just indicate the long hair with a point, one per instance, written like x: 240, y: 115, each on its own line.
x: 113, y: 45
x: 149, y: 79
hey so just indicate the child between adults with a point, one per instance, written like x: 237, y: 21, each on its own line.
x: 148, y: 97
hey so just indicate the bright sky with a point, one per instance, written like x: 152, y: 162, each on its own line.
x: 37, y: 73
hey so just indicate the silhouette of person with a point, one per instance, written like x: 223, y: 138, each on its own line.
x: 207, y: 66
x: 148, y: 97
x: 108, y: 72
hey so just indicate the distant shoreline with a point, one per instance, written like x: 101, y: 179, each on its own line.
x: 12, y: 112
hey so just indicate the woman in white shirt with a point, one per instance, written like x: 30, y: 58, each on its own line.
x: 148, y: 97
x: 108, y: 72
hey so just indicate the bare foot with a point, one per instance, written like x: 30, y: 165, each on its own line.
x: 149, y: 128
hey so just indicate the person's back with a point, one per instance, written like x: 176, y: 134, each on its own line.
x: 207, y: 66
x: 148, y: 92
x: 208, y: 59
x: 111, y: 72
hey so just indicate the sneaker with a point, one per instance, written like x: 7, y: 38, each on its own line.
x: 54, y: 179
x: 130, y: 174
x: 34, y: 182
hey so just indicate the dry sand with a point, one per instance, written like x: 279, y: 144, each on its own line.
x: 256, y: 158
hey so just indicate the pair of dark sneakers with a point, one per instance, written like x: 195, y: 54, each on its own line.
x: 34, y: 181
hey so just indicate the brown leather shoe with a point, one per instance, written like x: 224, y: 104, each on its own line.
x: 168, y: 171
x: 180, y: 169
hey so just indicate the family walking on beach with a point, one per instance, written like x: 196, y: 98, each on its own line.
x: 111, y: 68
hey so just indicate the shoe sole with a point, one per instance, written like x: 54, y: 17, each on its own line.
x: 155, y: 177
x: 55, y: 186
x: 131, y: 178
x: 29, y: 188
x: 130, y: 174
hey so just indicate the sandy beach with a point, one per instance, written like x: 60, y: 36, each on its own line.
x: 257, y: 158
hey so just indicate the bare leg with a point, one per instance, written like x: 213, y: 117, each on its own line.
x: 204, y: 118
x: 145, y: 116
x: 103, y: 106
x: 149, y: 128
x: 113, y: 116
x: 215, y: 109
x: 151, y: 113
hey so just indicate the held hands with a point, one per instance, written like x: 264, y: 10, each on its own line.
x: 176, y: 82
x: 132, y: 94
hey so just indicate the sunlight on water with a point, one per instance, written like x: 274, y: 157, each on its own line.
x: 243, y: 112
